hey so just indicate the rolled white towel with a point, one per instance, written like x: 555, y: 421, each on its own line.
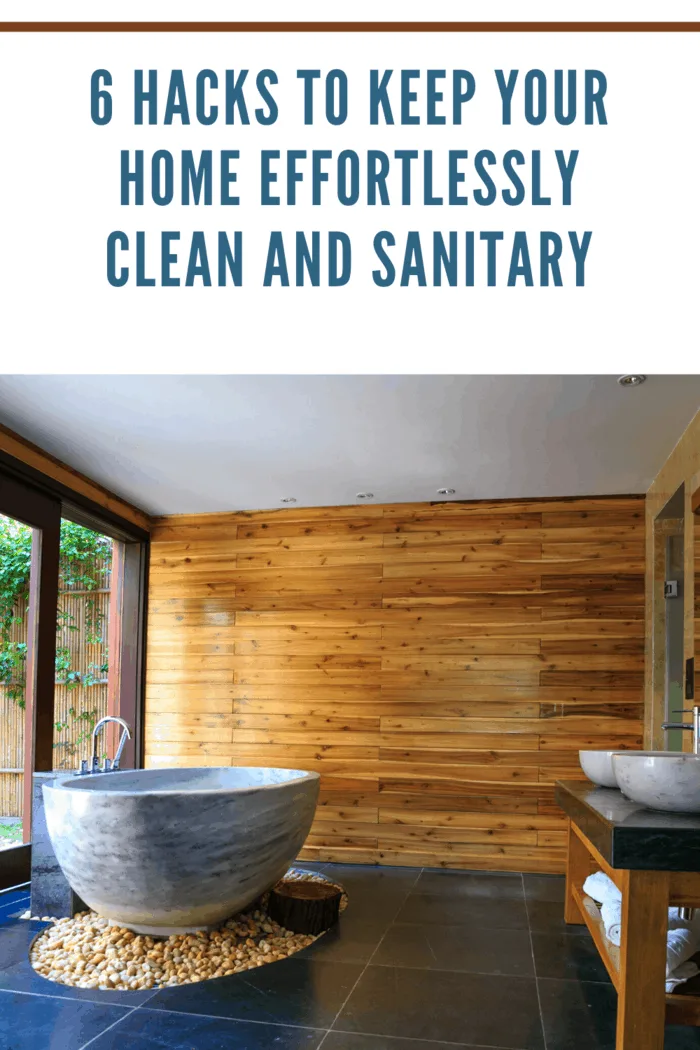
x: 683, y: 937
x: 601, y: 888
x: 681, y: 943
x: 676, y: 922
x: 611, y: 914
x: 684, y: 972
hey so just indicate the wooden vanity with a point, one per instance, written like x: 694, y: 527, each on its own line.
x: 654, y: 860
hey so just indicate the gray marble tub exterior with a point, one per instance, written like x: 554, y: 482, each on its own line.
x: 178, y: 848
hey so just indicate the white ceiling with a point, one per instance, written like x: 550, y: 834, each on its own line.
x: 187, y: 444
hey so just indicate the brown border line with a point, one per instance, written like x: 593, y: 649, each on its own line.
x: 349, y: 27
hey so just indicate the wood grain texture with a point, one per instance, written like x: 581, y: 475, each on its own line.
x: 439, y: 665
x: 641, y: 1004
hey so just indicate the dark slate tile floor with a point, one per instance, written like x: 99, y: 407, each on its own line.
x: 421, y: 960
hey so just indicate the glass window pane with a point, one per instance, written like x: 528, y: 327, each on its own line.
x: 82, y: 645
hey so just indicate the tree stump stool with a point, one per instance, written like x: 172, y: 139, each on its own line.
x: 305, y: 907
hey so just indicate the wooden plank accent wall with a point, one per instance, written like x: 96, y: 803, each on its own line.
x: 439, y: 665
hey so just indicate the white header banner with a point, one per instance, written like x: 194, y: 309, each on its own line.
x: 395, y: 202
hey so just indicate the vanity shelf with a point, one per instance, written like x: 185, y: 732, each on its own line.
x: 610, y: 834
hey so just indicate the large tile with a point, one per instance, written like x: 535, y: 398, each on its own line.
x: 10, y: 916
x: 548, y: 917
x: 32, y: 925
x: 364, y: 878
x: 157, y: 1029
x: 12, y: 905
x: 464, y: 911
x: 18, y: 975
x: 471, y: 950
x: 471, y: 884
x: 380, y: 905
x: 8, y: 897
x: 374, y: 909
x: 373, y: 871
x: 444, y: 1006
x: 578, y: 1015
x: 32, y: 1022
x: 545, y: 887
x: 350, y: 940
x: 353, y: 1041
x: 303, y: 992
x: 561, y: 955
x: 374, y: 894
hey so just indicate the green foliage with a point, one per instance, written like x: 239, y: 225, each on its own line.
x: 83, y: 557
x: 10, y: 834
x: 81, y: 548
x: 87, y: 719
x: 15, y: 560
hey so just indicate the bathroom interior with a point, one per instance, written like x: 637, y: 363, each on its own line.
x: 349, y: 712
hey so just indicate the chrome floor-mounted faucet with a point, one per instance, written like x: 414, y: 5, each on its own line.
x: 108, y: 766
x: 694, y: 725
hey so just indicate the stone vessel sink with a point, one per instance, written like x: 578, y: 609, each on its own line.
x: 166, y: 851
x: 662, y: 780
x: 598, y: 765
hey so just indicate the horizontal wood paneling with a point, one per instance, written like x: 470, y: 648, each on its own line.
x: 439, y: 665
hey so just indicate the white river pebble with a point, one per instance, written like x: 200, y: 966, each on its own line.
x: 86, y: 952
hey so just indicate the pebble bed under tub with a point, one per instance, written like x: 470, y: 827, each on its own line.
x: 86, y: 952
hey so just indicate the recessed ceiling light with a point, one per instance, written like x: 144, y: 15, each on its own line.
x: 632, y: 380
x: 288, y: 499
x: 365, y: 495
x: 446, y: 492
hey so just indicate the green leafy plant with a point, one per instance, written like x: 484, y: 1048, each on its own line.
x: 15, y: 561
x: 85, y: 560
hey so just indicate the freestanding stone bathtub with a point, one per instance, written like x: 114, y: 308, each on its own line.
x: 166, y: 851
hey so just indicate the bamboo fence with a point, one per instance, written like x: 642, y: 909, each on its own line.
x: 82, y: 616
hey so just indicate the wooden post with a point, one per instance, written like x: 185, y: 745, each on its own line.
x: 641, y: 1001
x: 41, y: 657
x: 578, y: 868
x: 114, y: 647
